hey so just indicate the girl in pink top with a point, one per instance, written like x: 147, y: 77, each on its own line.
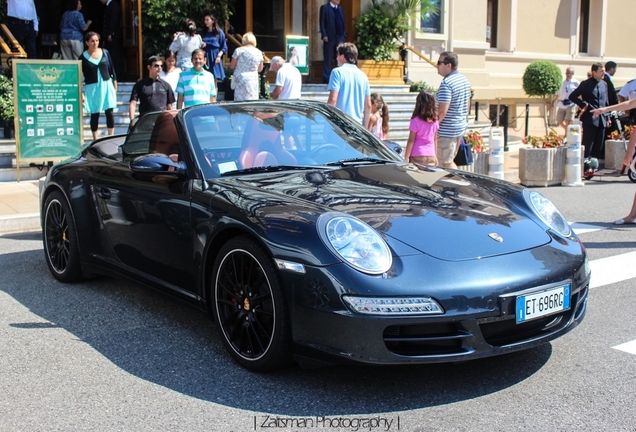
x: 379, y: 119
x: 421, y: 146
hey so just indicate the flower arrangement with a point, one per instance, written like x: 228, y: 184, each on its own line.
x: 551, y: 140
x: 627, y: 132
x: 476, y: 141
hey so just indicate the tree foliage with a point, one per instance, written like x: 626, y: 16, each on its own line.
x: 542, y: 78
x: 6, y: 100
x: 162, y: 18
x: 383, y: 27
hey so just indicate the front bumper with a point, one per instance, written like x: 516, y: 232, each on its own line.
x: 476, y: 322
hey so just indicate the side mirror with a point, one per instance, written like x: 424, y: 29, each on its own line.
x: 157, y: 163
x: 394, y: 146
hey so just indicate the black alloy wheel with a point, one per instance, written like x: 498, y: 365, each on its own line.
x: 249, y: 307
x: 60, y: 239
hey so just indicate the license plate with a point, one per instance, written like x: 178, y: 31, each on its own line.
x: 543, y: 303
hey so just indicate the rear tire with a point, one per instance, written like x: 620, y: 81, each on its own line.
x: 59, y: 236
x: 631, y: 175
x: 249, y: 306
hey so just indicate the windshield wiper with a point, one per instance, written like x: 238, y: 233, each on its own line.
x: 356, y: 161
x: 269, y: 168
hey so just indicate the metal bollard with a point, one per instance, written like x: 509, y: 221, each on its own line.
x: 573, y: 157
x: 496, y: 156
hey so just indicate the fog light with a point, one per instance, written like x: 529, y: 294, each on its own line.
x: 393, y: 306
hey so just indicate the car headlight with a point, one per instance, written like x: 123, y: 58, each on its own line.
x: 548, y: 213
x: 355, y: 242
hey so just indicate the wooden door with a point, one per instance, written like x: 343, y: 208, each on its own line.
x: 131, y: 25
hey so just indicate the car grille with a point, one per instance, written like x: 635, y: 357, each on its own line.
x: 426, y: 339
x: 506, y: 331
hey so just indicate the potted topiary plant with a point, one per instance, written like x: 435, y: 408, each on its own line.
x: 380, y: 31
x: 542, y: 78
x: 7, y: 112
x: 615, y: 147
x: 543, y: 163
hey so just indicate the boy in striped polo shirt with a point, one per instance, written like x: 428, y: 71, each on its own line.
x: 196, y: 86
x: 453, y: 98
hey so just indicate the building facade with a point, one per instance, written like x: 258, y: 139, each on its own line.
x: 497, y: 39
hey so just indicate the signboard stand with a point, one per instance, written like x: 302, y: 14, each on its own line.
x: 48, y: 121
x: 297, y: 52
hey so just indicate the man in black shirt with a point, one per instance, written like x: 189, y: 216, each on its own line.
x: 593, y: 94
x: 153, y: 93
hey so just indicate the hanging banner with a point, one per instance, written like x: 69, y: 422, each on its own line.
x: 48, y: 108
x: 297, y: 49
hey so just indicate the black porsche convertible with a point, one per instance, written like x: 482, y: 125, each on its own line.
x: 308, y: 239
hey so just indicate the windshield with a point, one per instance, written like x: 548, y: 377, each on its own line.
x: 242, y: 138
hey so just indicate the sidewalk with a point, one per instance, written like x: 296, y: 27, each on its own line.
x: 19, y: 206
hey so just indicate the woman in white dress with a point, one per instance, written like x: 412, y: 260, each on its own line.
x: 171, y: 72
x: 247, y: 62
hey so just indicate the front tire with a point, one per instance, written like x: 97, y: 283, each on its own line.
x: 249, y: 306
x: 631, y: 175
x: 60, y: 239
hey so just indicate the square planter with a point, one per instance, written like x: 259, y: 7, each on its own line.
x: 542, y: 167
x: 614, y: 154
x: 385, y: 72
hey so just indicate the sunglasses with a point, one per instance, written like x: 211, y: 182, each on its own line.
x: 439, y: 62
x: 156, y: 65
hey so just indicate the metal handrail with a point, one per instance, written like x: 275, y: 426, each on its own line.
x: 20, y: 53
x: 419, y: 54
x: 237, y: 42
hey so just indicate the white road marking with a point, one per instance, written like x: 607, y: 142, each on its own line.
x: 580, y: 228
x: 628, y: 347
x: 613, y: 269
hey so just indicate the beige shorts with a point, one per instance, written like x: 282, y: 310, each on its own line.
x: 424, y: 160
x: 565, y: 114
x: 446, y: 149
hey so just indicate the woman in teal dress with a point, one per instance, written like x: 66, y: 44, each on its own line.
x: 100, y: 83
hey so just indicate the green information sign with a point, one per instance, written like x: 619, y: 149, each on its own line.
x: 49, y: 109
x: 298, y: 52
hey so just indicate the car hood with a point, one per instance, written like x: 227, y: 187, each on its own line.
x: 432, y: 210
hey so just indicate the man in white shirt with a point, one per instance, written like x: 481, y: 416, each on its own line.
x: 22, y: 20
x: 288, y: 80
x: 565, y: 107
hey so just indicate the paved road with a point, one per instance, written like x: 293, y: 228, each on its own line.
x: 107, y: 355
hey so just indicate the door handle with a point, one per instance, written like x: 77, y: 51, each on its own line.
x: 103, y: 192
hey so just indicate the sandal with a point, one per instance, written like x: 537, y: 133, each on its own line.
x: 624, y: 222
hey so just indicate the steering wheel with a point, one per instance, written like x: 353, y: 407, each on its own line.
x: 324, y: 148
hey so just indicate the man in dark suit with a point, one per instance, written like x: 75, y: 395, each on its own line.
x: 610, y: 70
x: 112, y: 34
x: 332, y: 29
x: 589, y: 95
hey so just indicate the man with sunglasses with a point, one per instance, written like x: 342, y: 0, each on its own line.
x: 153, y: 93
x: 453, y: 98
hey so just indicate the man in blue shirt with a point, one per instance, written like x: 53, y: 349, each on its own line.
x: 453, y: 98
x: 22, y: 21
x: 348, y: 86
